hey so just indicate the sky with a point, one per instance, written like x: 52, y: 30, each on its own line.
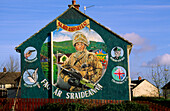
x: 145, y: 23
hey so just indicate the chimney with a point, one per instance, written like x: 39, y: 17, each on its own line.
x: 4, y: 69
x: 74, y: 4
x: 139, y: 78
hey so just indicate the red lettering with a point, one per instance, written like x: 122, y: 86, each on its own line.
x: 72, y: 29
x: 84, y: 23
x: 69, y: 28
x: 82, y: 26
x: 64, y: 27
x: 75, y: 28
x: 60, y: 24
x: 78, y: 28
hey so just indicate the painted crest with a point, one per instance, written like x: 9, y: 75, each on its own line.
x: 30, y: 54
x: 30, y: 78
x: 117, y: 54
x: 118, y: 74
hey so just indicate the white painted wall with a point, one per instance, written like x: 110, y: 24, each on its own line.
x: 145, y: 89
x: 8, y: 85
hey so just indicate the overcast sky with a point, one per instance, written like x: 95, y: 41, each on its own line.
x: 145, y: 23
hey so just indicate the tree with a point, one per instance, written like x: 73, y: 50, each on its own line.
x: 12, y: 65
x: 64, y: 58
x: 1, y: 66
x: 160, y: 76
x: 166, y: 79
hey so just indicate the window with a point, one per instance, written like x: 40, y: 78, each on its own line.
x: 3, y: 86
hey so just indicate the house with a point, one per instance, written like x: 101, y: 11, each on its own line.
x: 166, y: 90
x: 9, y: 82
x: 57, y: 37
x: 143, y: 87
x: 61, y: 57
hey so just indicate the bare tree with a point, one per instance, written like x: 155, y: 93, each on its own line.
x: 166, y: 80
x: 1, y: 66
x: 12, y: 65
x: 160, y: 76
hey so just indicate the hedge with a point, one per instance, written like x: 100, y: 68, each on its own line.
x: 156, y: 100
x: 126, y: 106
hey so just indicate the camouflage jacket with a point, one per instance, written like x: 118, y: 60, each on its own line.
x: 86, y: 63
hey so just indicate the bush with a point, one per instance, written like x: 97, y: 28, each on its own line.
x: 63, y: 107
x: 126, y: 106
x: 156, y: 100
x: 50, y: 107
x: 75, y: 107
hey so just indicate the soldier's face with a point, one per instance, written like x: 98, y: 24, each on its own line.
x: 79, y: 46
x: 117, y: 53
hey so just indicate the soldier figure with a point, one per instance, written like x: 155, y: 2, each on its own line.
x: 83, y: 61
x: 117, y: 52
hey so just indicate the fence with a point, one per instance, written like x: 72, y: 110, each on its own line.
x: 25, y: 104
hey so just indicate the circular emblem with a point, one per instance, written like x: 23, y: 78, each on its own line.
x: 30, y: 78
x: 30, y: 54
x: 117, y: 54
x: 118, y: 74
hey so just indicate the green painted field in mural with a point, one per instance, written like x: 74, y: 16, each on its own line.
x: 66, y: 47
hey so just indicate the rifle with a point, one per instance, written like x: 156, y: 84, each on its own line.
x: 30, y: 51
x: 77, y: 75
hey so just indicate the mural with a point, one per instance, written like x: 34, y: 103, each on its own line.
x: 79, y: 59
x: 68, y: 59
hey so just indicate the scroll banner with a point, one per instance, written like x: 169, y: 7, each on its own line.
x: 86, y: 23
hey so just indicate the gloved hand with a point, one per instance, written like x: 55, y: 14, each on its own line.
x: 74, y: 82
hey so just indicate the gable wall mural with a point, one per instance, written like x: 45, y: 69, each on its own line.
x: 74, y: 57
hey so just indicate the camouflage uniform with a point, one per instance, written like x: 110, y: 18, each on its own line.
x: 92, y: 72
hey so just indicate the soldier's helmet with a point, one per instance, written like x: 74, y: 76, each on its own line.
x: 80, y: 37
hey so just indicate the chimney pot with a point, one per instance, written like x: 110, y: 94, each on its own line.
x: 4, y: 69
x: 74, y: 4
x: 139, y: 78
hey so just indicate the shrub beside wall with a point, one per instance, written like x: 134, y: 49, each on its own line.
x: 126, y: 106
x: 160, y: 101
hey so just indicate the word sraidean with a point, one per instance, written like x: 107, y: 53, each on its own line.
x: 73, y: 95
x: 72, y: 28
x: 83, y: 94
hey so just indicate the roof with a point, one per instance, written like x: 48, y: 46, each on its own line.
x: 71, y: 10
x: 167, y: 86
x: 9, y: 77
x: 136, y: 82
